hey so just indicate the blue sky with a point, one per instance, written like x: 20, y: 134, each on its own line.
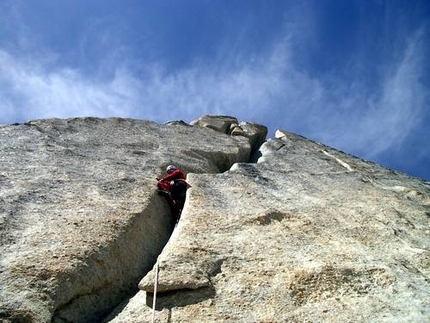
x: 352, y: 74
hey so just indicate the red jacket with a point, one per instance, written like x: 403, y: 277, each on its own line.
x: 176, y: 174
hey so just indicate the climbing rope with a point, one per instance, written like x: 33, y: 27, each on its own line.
x: 154, y: 300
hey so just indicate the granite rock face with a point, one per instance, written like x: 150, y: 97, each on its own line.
x: 80, y: 221
x: 307, y: 234
x: 223, y: 124
x: 256, y: 133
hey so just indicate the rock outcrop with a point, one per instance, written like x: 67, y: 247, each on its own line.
x: 80, y: 221
x: 307, y: 233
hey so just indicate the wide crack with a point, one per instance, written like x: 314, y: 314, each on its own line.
x: 156, y: 217
x: 187, y: 296
x: 86, y: 306
x: 95, y: 282
x: 131, y: 255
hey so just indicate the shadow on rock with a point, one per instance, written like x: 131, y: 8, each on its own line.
x: 180, y: 298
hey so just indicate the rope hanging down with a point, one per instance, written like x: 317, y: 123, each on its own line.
x: 154, y: 300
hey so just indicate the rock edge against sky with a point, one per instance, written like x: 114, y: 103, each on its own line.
x: 290, y: 231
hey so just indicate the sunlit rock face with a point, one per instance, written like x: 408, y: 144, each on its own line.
x: 80, y: 221
x: 306, y: 234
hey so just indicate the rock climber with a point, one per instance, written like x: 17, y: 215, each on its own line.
x: 174, y: 187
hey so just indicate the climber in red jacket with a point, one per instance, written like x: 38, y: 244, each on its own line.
x: 173, y: 173
x: 174, y: 186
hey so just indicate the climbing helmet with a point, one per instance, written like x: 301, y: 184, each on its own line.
x: 171, y: 168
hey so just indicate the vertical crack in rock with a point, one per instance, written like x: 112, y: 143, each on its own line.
x: 298, y: 236
x: 88, y: 223
x: 118, y: 266
x: 185, y: 293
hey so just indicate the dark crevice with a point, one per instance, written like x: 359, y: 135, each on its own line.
x: 149, y: 231
x: 65, y: 312
x: 184, y: 297
x: 110, y: 273
x: 253, y: 159
x: 158, y: 213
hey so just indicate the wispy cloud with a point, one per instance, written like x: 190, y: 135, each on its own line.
x: 31, y: 90
x: 268, y: 89
x: 35, y: 89
x: 372, y: 122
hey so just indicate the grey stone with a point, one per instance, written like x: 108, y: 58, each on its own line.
x: 80, y: 221
x: 237, y: 131
x: 256, y: 133
x: 307, y: 234
x: 218, y: 123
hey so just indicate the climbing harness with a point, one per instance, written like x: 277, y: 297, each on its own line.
x: 154, y: 300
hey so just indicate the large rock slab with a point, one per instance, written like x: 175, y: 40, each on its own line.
x: 307, y: 234
x: 218, y: 123
x: 256, y: 133
x: 80, y: 223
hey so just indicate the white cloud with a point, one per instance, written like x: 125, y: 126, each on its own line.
x: 373, y: 124
x: 32, y: 91
x: 268, y: 89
